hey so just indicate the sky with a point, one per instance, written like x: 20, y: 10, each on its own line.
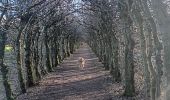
x: 77, y: 1
x: 77, y: 6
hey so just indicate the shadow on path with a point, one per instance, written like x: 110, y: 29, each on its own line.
x: 69, y: 82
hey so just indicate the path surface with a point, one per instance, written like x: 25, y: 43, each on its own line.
x: 69, y: 82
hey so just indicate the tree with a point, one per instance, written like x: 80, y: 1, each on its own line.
x: 125, y: 9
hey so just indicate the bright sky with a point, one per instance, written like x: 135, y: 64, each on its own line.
x: 77, y: 6
x: 77, y: 1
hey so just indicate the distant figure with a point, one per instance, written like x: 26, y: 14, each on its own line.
x: 81, y: 62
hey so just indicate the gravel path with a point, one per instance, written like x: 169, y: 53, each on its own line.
x: 69, y: 82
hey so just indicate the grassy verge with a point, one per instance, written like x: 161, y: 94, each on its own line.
x: 8, y: 48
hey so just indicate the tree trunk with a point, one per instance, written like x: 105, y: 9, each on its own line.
x: 115, y: 71
x: 157, y: 44
x: 161, y: 13
x: 116, y: 63
x: 28, y: 65
x: 151, y: 68
x: 19, y: 50
x: 25, y: 21
x: 3, y: 68
x: 48, y: 65
x: 129, y: 63
x: 129, y: 46
x: 43, y: 71
x: 139, y: 19
x: 35, y: 54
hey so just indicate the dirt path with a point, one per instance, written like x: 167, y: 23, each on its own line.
x: 69, y: 82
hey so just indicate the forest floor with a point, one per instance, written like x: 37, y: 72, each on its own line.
x: 69, y: 82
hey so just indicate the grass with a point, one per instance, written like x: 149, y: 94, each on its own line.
x: 8, y: 48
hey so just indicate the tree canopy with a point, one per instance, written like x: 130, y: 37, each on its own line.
x: 126, y: 35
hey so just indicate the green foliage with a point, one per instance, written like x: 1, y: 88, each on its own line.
x: 8, y: 48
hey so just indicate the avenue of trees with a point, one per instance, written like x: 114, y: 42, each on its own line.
x: 114, y: 26
x: 43, y: 32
